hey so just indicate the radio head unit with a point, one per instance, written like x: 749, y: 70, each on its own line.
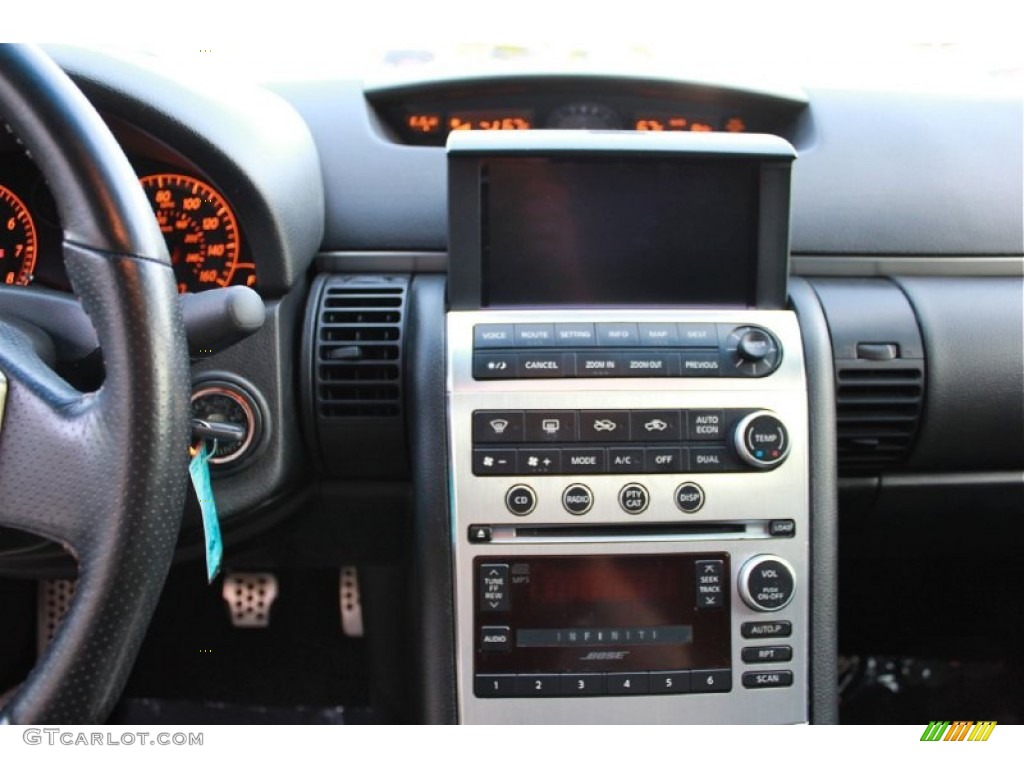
x: 585, y: 219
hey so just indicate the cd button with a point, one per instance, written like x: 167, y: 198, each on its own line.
x: 520, y: 500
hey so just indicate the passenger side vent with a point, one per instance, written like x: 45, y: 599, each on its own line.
x: 878, y: 408
x: 355, y: 335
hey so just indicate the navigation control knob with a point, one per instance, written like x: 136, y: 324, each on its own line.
x: 761, y: 440
x: 755, y: 345
x: 751, y: 351
x: 767, y: 583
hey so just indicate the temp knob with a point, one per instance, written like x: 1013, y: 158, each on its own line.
x: 767, y: 583
x: 761, y: 440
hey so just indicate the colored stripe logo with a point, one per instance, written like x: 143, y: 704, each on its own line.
x: 959, y: 730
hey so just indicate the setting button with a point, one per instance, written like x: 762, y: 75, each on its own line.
x: 633, y: 498
x: 494, y: 595
x: 711, y: 680
x: 656, y: 426
x: 760, y: 630
x: 490, y: 336
x: 497, y: 426
x: 575, y: 334
x: 577, y: 499
x: 550, y: 426
x: 767, y: 654
x: 782, y: 678
x: 604, y: 426
x: 495, y: 639
x: 689, y: 498
x: 767, y: 583
x: 521, y: 500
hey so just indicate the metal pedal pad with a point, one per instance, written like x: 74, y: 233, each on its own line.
x: 249, y: 597
x: 351, y: 603
x: 53, y: 600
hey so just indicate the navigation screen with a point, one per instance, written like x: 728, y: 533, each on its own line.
x: 588, y: 232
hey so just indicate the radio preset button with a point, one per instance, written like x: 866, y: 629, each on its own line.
x: 584, y: 684
x: 689, y: 498
x: 577, y: 499
x: 759, y: 630
x: 656, y: 426
x: 537, y: 685
x: 626, y: 683
x: 711, y: 680
x: 669, y: 682
x: 520, y: 500
x: 494, y: 595
x: 634, y: 498
x: 782, y: 678
x: 766, y: 654
x: 494, y: 686
x: 767, y: 583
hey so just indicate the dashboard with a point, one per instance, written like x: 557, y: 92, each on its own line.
x: 466, y: 280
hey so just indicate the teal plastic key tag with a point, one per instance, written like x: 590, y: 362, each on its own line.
x: 199, y: 471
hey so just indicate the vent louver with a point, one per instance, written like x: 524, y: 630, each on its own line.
x: 878, y: 409
x: 358, y: 350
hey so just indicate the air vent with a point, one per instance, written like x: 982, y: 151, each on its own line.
x: 878, y: 408
x: 358, y: 347
x: 353, y: 348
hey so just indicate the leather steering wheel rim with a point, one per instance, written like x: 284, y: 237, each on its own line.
x: 104, y: 473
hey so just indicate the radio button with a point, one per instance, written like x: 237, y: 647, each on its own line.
x: 497, y: 426
x: 493, y: 335
x: 575, y: 335
x: 767, y: 583
x: 782, y: 678
x: 711, y: 680
x: 760, y: 630
x: 689, y: 498
x: 698, y: 335
x: 659, y: 335
x: 666, y: 460
x: 494, y: 595
x: 583, y: 461
x: 541, y: 461
x: 628, y: 461
x: 537, y: 685
x: 588, y: 684
x: 626, y: 683
x: 495, y: 639
x: 766, y: 654
x: 669, y: 682
x: 634, y: 498
x: 617, y: 335
x: 604, y: 426
x: 494, y: 686
x: 521, y: 500
x: 551, y: 426
x: 577, y: 499
x: 656, y: 426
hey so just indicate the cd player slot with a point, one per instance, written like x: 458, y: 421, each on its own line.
x: 631, y: 532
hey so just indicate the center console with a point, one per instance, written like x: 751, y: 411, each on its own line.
x: 628, y: 431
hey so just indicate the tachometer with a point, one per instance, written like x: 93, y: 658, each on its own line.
x: 200, y: 229
x: 18, y: 242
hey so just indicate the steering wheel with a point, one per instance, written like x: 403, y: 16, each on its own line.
x: 104, y: 473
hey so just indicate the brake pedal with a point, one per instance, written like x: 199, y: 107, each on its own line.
x: 351, y: 603
x: 249, y: 597
x: 53, y: 600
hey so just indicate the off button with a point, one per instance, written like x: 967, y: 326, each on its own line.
x: 633, y: 498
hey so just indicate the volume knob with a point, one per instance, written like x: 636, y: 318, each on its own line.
x: 761, y: 440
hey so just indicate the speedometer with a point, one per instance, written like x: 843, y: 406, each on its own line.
x: 199, y: 227
x: 18, y: 242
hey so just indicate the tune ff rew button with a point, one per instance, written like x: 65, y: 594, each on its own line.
x: 520, y: 500
x: 689, y: 498
x: 634, y: 498
x: 577, y: 499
